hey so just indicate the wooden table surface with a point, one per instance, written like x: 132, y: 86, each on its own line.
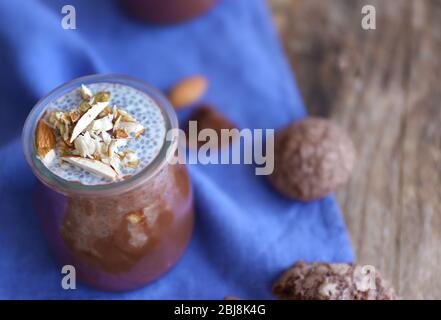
x: 384, y: 87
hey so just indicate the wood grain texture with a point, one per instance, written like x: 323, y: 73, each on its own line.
x: 384, y: 87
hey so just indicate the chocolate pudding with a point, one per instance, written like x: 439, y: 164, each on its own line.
x: 109, y: 201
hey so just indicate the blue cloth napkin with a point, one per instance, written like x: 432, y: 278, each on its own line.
x: 245, y: 233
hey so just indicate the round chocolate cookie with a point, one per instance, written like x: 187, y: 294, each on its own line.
x: 332, y: 281
x: 312, y: 158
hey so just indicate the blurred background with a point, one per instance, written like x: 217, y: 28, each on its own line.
x: 383, y: 86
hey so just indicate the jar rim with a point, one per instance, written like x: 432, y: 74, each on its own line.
x: 64, y: 186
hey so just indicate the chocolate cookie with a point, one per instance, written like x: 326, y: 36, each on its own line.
x: 329, y: 281
x: 312, y: 158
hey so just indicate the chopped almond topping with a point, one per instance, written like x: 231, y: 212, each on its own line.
x: 90, y: 136
x: 103, y: 124
x: 45, y: 142
x: 93, y: 166
x: 74, y: 116
x: 85, y: 92
x: 139, y: 133
x: 85, y: 145
x: 101, y: 96
x: 84, y: 106
x: 107, y: 138
x: 120, y: 134
x: 132, y: 128
x: 87, y: 118
x: 130, y: 159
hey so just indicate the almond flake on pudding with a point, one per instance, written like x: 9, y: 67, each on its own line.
x: 103, y: 124
x: 132, y: 128
x: 87, y: 119
x: 85, y: 92
x: 45, y: 142
x: 62, y: 122
x: 130, y: 159
x: 74, y: 115
x: 125, y: 116
x: 115, y: 162
x: 139, y: 133
x: 120, y: 134
x: 102, y: 96
x: 114, y: 145
x: 106, y: 112
x: 93, y: 166
x: 85, y: 145
x: 117, y: 119
x: 107, y: 138
x: 84, y: 106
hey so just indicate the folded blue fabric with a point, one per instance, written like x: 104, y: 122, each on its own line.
x: 245, y: 233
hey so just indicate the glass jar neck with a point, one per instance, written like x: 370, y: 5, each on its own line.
x: 71, y: 188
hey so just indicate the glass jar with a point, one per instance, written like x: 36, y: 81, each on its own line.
x: 122, y: 235
x: 166, y: 11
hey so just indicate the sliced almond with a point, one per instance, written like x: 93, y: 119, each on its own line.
x: 130, y: 159
x: 85, y: 145
x: 139, y: 133
x: 101, y: 147
x: 85, y: 92
x: 188, y: 91
x: 103, y: 124
x: 106, y: 137
x: 84, y: 106
x: 93, y: 166
x: 74, y: 115
x: 45, y: 142
x: 62, y: 122
x: 115, y: 162
x: 117, y: 121
x: 115, y: 112
x: 120, y: 134
x: 132, y: 128
x: 64, y: 149
x: 132, y: 164
x: 114, y: 145
x: 87, y: 119
x: 107, y: 111
x: 125, y: 116
x: 101, y: 96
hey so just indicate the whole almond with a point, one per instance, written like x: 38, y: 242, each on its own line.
x: 207, y: 117
x: 44, y: 139
x: 188, y: 91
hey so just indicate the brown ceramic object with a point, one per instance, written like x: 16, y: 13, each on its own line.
x: 166, y: 11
